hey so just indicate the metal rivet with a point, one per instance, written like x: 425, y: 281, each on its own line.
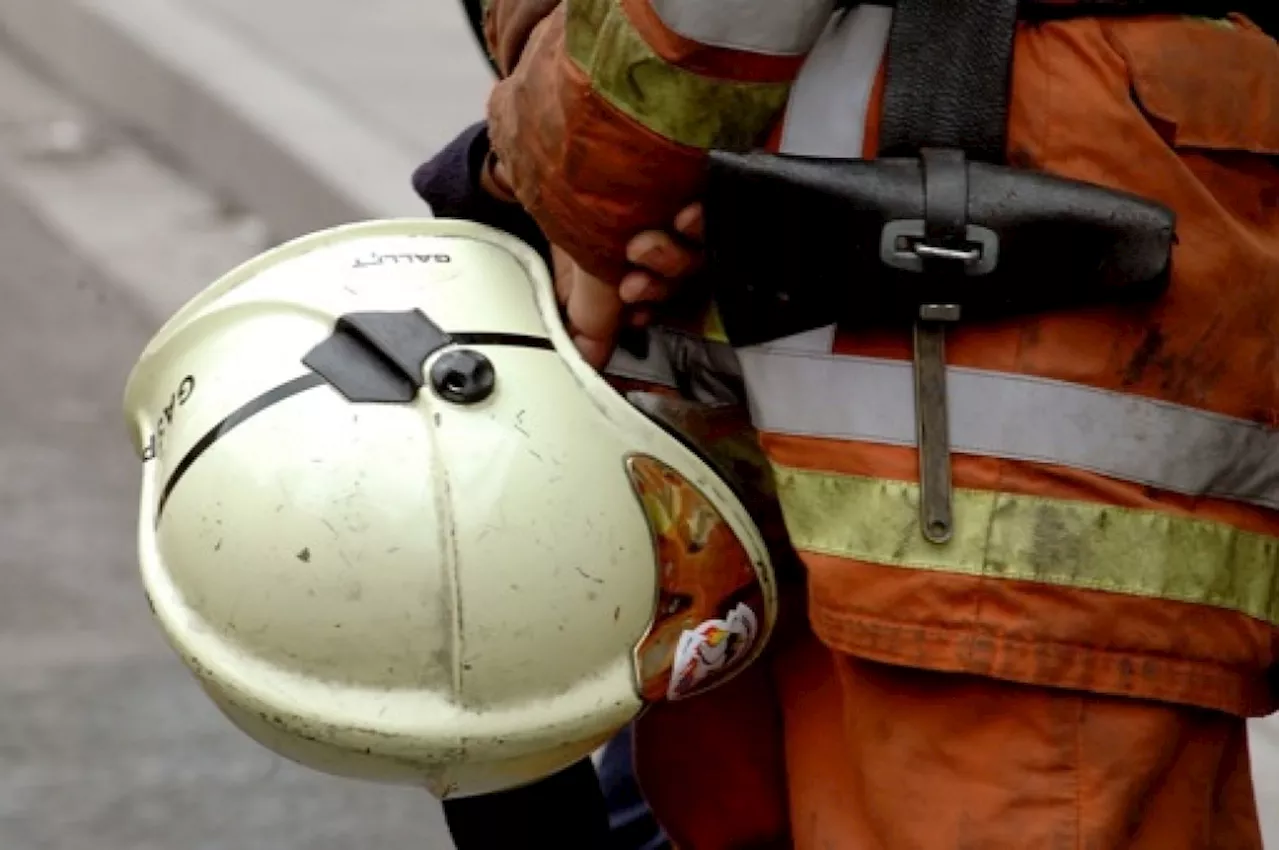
x: 463, y: 376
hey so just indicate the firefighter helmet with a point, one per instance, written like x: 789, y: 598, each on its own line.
x: 401, y: 531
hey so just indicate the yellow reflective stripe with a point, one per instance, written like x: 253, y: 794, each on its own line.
x: 684, y: 107
x: 1220, y: 23
x: 1030, y: 538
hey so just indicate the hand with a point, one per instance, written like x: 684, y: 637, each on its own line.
x: 507, y: 27
x: 663, y: 261
x: 592, y: 308
x: 595, y: 309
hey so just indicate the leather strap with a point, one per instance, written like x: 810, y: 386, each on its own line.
x: 947, y: 77
x: 946, y: 195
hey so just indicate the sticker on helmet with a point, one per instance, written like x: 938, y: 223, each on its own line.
x: 711, y: 647
x: 710, y: 602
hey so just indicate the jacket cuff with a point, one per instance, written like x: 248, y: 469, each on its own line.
x: 450, y: 183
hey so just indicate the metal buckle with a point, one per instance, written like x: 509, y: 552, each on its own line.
x: 903, y: 246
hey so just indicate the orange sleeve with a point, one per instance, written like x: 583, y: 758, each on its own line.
x: 507, y: 26
x: 605, y: 120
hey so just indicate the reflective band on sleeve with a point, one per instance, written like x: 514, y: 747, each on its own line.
x: 1020, y: 417
x: 1051, y: 541
x: 678, y: 105
x: 773, y: 27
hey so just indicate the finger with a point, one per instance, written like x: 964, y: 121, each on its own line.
x: 563, y: 273
x: 640, y: 317
x: 640, y: 286
x: 660, y: 253
x: 594, y: 307
x: 594, y: 313
x: 564, y: 288
x: 691, y: 223
x: 595, y: 351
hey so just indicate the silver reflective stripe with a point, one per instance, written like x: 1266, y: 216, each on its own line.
x: 771, y: 27
x: 998, y: 414
x: 827, y: 110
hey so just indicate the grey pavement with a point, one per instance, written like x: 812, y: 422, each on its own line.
x: 411, y: 68
x: 106, y: 743
x: 308, y: 113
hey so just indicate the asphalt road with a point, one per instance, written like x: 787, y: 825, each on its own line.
x: 411, y: 69
x: 105, y: 741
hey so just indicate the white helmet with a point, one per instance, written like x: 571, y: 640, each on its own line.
x: 401, y: 531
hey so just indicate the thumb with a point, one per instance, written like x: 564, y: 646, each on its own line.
x: 594, y: 313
